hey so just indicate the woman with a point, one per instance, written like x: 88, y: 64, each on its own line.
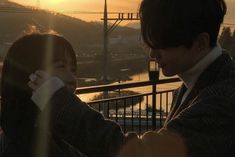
x: 25, y: 130
x: 35, y: 125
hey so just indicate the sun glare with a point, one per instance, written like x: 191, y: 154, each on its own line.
x: 54, y: 1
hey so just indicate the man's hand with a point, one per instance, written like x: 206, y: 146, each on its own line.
x: 163, y: 143
x: 134, y: 148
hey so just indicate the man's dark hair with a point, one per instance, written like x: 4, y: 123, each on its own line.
x: 171, y: 23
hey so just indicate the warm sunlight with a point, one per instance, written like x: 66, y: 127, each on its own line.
x: 97, y: 6
x: 50, y: 2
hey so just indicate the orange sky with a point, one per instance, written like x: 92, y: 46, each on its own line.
x: 97, y: 6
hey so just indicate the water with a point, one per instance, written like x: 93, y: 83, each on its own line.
x: 136, y: 78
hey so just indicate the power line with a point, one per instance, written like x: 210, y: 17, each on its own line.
x: 87, y: 12
x: 4, y: 9
x: 23, y: 10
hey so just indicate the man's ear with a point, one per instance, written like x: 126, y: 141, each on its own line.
x: 202, y: 42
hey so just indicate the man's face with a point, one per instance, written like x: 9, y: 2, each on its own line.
x: 176, y: 60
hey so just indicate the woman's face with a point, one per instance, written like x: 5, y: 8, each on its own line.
x: 65, y: 68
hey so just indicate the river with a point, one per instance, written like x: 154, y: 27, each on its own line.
x: 142, y: 77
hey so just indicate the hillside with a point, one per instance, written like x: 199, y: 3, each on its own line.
x: 135, y: 25
x: 17, y: 20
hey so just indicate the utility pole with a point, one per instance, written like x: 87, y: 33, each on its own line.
x: 105, y: 57
x: 120, y: 17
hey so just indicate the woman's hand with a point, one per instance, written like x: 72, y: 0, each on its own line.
x: 37, y: 79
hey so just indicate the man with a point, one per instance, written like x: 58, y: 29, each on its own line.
x: 182, y: 35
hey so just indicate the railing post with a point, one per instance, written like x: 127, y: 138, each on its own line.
x: 154, y: 78
x: 105, y: 107
x: 154, y: 108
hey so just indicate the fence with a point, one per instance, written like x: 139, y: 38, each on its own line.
x: 138, y: 112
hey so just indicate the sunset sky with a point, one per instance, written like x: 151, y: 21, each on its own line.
x: 97, y: 6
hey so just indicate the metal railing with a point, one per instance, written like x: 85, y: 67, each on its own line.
x: 138, y: 112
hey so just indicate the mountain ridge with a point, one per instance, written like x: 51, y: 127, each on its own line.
x: 19, y: 20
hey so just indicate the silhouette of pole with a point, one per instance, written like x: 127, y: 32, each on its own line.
x: 105, y: 58
x: 105, y: 55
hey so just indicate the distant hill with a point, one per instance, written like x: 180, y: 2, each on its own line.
x: 135, y: 25
x: 16, y: 20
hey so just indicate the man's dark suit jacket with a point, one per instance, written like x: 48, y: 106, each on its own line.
x: 206, y: 119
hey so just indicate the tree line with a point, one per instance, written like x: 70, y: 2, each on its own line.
x: 227, y: 41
